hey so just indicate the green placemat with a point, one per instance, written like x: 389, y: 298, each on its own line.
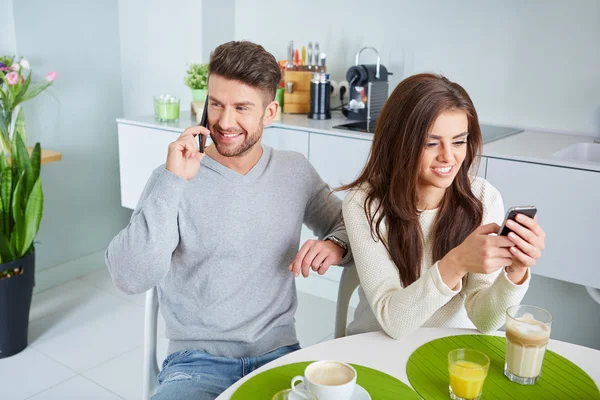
x: 380, y: 386
x: 427, y: 371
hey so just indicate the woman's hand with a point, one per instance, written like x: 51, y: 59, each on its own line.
x: 480, y: 253
x: 528, y: 239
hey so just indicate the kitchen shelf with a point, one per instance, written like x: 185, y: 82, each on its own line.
x: 48, y: 156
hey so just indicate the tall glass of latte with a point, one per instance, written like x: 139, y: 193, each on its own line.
x: 527, y: 334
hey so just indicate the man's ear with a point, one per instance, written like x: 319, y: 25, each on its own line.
x: 270, y: 112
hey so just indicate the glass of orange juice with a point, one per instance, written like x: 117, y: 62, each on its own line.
x: 468, y: 370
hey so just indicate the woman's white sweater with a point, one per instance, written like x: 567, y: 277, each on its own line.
x: 478, y: 301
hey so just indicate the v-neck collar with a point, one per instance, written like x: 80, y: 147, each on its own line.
x: 254, y: 173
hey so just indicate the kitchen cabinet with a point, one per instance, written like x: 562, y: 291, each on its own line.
x: 141, y: 151
x: 286, y: 139
x: 338, y: 160
x: 568, y: 201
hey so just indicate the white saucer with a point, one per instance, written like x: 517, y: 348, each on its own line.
x: 359, y: 393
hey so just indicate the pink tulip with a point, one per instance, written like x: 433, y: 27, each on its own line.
x: 15, y: 67
x: 51, y: 76
x: 12, y: 78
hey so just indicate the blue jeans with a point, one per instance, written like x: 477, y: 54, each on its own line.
x: 197, y: 375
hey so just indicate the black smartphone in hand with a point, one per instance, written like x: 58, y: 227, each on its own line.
x: 512, y: 212
x: 204, y: 123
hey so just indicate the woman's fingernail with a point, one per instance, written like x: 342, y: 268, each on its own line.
x: 513, y: 249
x: 512, y: 235
x: 520, y: 217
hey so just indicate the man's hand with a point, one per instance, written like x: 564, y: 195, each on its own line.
x: 183, y: 157
x: 318, y: 255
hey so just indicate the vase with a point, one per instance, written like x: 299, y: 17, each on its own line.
x: 15, y: 303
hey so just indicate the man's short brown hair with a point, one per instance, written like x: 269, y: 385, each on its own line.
x: 249, y: 63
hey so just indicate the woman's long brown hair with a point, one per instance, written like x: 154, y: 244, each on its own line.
x: 390, y: 177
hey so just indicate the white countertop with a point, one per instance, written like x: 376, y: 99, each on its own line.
x: 539, y: 147
x: 527, y: 146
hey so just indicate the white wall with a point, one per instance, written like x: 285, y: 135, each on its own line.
x: 529, y: 63
x: 76, y: 116
x: 8, y: 44
x: 216, y: 28
x: 158, y: 39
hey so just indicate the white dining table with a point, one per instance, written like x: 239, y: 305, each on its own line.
x: 378, y: 351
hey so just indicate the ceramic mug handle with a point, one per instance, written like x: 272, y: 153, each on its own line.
x: 295, y: 380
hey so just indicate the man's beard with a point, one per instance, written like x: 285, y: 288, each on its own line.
x: 241, y: 149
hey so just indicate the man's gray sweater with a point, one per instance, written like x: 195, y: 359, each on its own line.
x: 218, y: 247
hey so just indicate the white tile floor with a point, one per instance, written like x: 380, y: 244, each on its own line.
x: 86, y: 342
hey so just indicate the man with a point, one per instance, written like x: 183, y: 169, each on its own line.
x: 218, y: 233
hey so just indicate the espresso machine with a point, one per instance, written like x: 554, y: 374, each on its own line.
x: 368, y: 89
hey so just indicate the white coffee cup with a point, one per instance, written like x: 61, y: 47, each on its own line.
x: 328, y: 380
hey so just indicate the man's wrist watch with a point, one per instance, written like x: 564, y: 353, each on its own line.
x: 340, y: 243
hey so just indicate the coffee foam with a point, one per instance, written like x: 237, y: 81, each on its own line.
x: 526, y: 330
x: 330, y: 373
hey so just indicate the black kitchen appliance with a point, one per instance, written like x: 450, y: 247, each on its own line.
x: 368, y: 89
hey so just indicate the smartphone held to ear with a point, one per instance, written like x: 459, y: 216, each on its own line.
x: 512, y: 212
x: 204, y: 123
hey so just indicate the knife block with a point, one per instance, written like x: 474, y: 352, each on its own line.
x: 298, y: 101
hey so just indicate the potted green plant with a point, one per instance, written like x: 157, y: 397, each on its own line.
x: 197, y: 80
x: 21, y: 204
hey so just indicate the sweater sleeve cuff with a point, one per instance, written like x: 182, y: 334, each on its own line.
x: 168, y: 187
x: 434, y: 273
x: 510, y: 285
x: 343, y: 236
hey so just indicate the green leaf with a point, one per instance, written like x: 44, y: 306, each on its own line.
x: 4, y: 98
x: 6, y: 193
x: 37, y: 89
x: 20, y: 126
x: 2, y: 230
x: 14, y: 156
x: 4, y: 140
x: 22, y: 90
x: 13, y: 242
x: 33, y: 216
x: 4, y: 162
x: 36, y: 161
x: 6, y: 251
x: 25, y: 165
x: 18, y: 216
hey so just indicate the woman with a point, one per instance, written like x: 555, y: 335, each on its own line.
x: 421, y: 226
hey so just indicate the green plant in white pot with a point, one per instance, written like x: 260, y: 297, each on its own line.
x: 21, y: 205
x: 197, y: 80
